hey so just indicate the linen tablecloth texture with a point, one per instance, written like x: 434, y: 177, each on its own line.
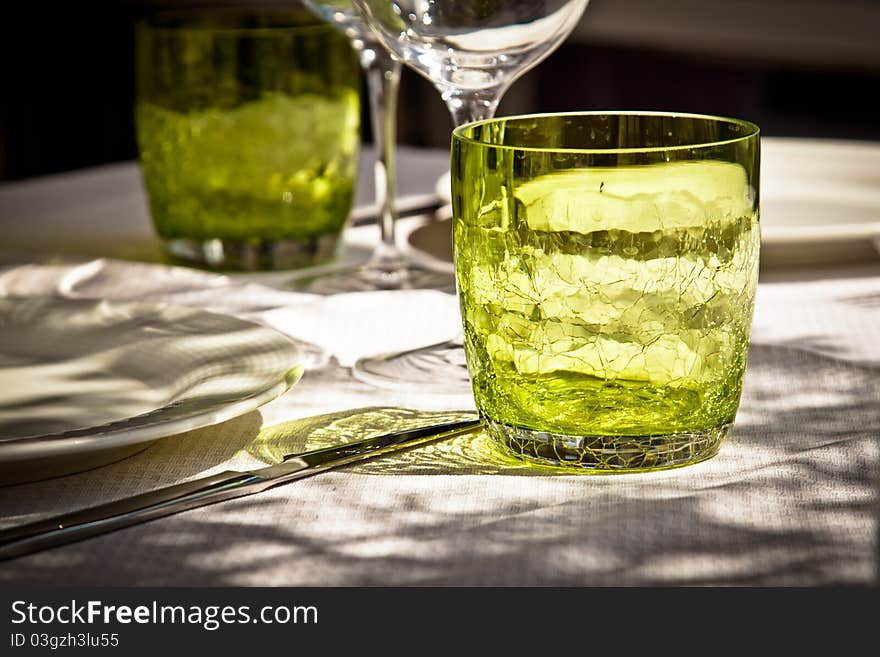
x: 790, y: 500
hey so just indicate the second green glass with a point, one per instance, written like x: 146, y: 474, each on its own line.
x: 248, y: 123
x: 607, y: 266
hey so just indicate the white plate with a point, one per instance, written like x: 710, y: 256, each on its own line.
x: 85, y: 382
x: 820, y: 204
x: 820, y: 201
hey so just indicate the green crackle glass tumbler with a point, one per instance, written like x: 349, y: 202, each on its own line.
x: 248, y: 125
x: 606, y: 267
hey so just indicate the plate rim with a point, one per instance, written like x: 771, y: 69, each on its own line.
x: 117, y: 433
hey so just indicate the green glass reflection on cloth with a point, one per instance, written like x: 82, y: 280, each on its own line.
x: 607, y: 267
x: 248, y: 127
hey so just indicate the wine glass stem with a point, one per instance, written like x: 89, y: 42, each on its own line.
x: 383, y: 78
x: 467, y: 106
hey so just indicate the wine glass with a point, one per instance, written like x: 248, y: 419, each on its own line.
x: 387, y: 267
x: 472, y: 51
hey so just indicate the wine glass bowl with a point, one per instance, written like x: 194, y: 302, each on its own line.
x: 343, y: 15
x: 472, y: 51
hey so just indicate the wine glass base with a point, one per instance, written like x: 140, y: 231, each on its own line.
x: 436, y: 369
x: 369, y: 278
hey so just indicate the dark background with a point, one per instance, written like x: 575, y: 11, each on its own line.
x: 795, y: 67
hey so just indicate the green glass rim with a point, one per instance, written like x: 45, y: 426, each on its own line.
x: 752, y: 132
x: 279, y: 21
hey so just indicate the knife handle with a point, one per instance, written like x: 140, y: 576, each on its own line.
x: 78, y: 525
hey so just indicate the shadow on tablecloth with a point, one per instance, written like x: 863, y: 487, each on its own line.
x: 790, y: 500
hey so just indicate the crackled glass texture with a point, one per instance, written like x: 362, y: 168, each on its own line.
x: 607, y: 267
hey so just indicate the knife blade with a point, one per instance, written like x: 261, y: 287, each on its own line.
x: 231, y: 484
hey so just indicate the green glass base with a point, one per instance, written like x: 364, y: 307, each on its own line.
x: 254, y: 255
x: 609, y: 454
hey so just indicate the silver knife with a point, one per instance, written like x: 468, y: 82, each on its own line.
x: 75, y: 526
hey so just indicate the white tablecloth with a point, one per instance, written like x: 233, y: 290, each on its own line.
x: 790, y: 500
